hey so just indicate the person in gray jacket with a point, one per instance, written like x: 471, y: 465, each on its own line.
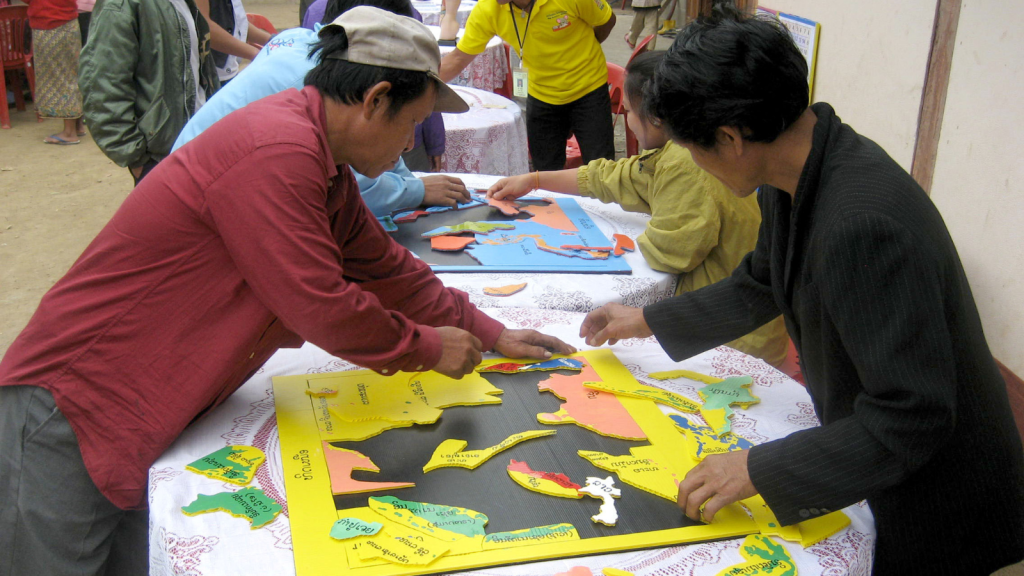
x: 145, y: 71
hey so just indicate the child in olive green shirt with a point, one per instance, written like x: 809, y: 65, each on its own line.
x: 698, y: 229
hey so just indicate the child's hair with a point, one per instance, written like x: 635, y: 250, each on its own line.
x: 639, y: 72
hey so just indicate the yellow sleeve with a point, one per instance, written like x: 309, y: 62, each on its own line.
x: 685, y: 219
x: 593, y: 12
x: 480, y: 28
x: 617, y: 181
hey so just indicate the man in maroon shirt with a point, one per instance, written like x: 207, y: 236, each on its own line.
x: 250, y: 238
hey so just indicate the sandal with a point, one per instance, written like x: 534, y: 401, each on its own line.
x: 632, y: 45
x: 60, y: 141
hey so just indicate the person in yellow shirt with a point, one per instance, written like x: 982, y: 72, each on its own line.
x: 698, y: 228
x: 566, y: 78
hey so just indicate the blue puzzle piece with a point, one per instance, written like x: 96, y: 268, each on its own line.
x: 388, y: 223
x: 556, y: 364
x: 706, y: 432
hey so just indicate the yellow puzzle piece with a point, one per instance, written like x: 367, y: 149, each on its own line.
x: 639, y: 470
x: 765, y: 557
x: 550, y: 483
x: 531, y: 536
x: 637, y: 390
x: 690, y: 374
x: 615, y: 572
x: 450, y: 452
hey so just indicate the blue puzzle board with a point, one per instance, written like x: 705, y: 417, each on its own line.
x: 515, y: 254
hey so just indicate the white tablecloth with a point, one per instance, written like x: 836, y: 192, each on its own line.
x: 487, y: 71
x: 488, y: 139
x: 221, y: 545
x: 431, y: 11
x: 572, y: 292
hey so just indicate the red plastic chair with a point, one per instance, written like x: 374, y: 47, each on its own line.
x: 641, y: 47
x: 616, y: 80
x: 506, y: 88
x: 13, y: 23
x: 791, y: 365
x: 262, y: 23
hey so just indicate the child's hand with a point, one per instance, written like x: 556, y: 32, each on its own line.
x: 512, y: 187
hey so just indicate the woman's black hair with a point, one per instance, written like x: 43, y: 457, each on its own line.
x: 336, y: 8
x: 729, y: 70
x: 639, y: 71
x: 347, y: 82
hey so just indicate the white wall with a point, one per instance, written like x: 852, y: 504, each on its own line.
x: 872, y: 58
x: 979, y: 170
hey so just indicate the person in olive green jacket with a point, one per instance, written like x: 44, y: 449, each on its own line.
x: 698, y: 229
x: 145, y: 70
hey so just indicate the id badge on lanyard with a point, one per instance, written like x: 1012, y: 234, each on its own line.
x: 520, y: 77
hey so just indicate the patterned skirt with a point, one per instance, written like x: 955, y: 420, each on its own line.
x: 56, y: 63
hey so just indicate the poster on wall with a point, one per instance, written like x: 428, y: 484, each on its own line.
x: 805, y: 33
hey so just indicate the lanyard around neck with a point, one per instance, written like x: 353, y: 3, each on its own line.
x: 522, y: 41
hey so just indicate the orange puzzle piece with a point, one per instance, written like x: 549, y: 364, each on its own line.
x: 594, y: 410
x: 623, y: 244
x: 341, y: 463
x: 451, y: 243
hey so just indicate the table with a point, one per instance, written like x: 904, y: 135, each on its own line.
x: 431, y: 11
x: 219, y: 544
x: 572, y: 292
x: 488, y: 139
x: 487, y: 71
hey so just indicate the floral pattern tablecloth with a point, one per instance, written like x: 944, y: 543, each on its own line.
x: 221, y: 545
x: 488, y: 139
x: 488, y: 69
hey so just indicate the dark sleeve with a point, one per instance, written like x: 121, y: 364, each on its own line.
x: 696, y: 321
x: 433, y: 134
x: 882, y: 293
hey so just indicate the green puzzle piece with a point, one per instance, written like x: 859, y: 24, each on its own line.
x: 234, y: 464
x: 346, y: 528
x: 249, y: 503
x: 718, y: 398
x: 451, y: 518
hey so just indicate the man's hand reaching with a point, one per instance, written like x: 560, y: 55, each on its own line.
x: 529, y: 344
x: 442, y: 190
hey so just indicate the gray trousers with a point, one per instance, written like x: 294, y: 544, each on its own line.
x: 53, y: 519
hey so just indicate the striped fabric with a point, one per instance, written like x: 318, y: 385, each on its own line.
x: 915, y: 414
x: 56, y: 61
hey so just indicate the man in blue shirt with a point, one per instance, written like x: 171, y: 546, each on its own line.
x: 283, y: 64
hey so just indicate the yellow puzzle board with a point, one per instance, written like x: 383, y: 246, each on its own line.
x: 312, y: 509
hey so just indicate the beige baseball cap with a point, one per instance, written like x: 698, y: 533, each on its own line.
x: 380, y: 38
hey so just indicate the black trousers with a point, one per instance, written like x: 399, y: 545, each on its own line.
x: 548, y: 126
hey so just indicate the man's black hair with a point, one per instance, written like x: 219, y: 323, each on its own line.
x: 347, y: 82
x: 336, y: 8
x: 640, y: 71
x: 729, y: 70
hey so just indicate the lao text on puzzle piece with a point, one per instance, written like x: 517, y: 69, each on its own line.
x: 445, y: 523
x: 233, y: 464
x: 530, y: 536
x: 701, y: 441
x: 346, y: 528
x: 640, y: 469
x: 638, y: 390
x: 550, y: 483
x: 764, y: 557
x: 603, y: 489
x: 718, y: 396
x: 402, y: 549
x: 517, y: 367
x: 340, y: 464
x: 249, y: 503
x: 450, y: 452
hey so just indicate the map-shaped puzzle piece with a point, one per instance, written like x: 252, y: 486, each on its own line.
x: 410, y: 216
x: 637, y: 390
x: 249, y: 503
x: 639, y: 470
x: 233, y: 464
x: 388, y: 223
x: 516, y: 367
x: 451, y: 243
x: 614, y: 572
x: 550, y: 483
x: 767, y: 523
x: 817, y: 529
x: 439, y: 391
x: 701, y: 440
x: 603, y: 489
x: 406, y: 549
x: 690, y: 374
x: 623, y: 244
x: 551, y: 215
x: 450, y: 452
x: 504, y: 290
x: 446, y: 523
x: 597, y: 411
x: 383, y: 398
x: 719, y: 397
x: 531, y: 536
x: 474, y: 227
x: 346, y: 528
x: 340, y: 464
x: 507, y: 207
x: 765, y: 557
